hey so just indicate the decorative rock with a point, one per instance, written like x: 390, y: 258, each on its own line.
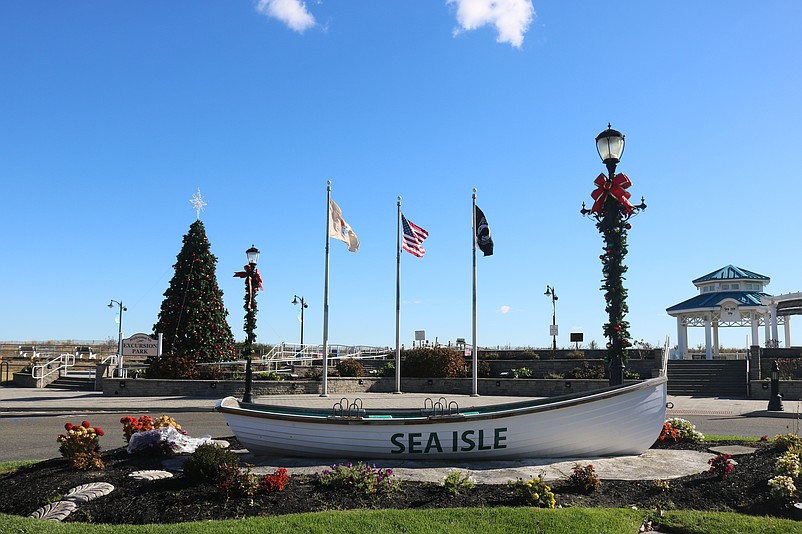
x: 151, y: 474
x: 733, y: 450
x: 223, y: 444
x: 56, y: 511
x: 88, y: 492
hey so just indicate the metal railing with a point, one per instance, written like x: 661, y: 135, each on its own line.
x: 54, y: 365
x: 306, y: 354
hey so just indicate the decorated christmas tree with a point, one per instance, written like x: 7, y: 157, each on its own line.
x: 193, y: 317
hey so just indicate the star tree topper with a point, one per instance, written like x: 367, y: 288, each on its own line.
x: 198, y: 203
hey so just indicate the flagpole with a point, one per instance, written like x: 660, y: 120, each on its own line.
x: 398, y: 301
x: 474, y: 355
x: 324, y: 392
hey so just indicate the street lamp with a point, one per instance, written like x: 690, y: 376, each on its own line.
x: 612, y: 209
x: 550, y: 292
x: 119, y: 336
x: 252, y: 285
x: 300, y: 300
x: 775, y: 400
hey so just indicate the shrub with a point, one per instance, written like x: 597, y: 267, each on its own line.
x: 81, y: 446
x: 575, y: 355
x: 268, y: 376
x: 586, y: 372
x: 204, y: 464
x: 235, y: 481
x: 455, y: 482
x: 782, y: 487
x: 358, y: 477
x: 529, y: 355
x: 490, y: 355
x: 434, y: 362
x: 387, y: 370
x: 211, y: 372
x: 553, y: 376
x: 662, y: 485
x: 685, y: 430
x: 275, y: 481
x: 131, y: 426
x: 788, y: 464
x: 535, y: 492
x: 721, y: 465
x: 484, y: 369
x: 669, y: 433
x: 634, y: 375
x: 522, y: 372
x: 584, y: 479
x: 350, y: 367
x: 171, y: 365
x: 788, y: 442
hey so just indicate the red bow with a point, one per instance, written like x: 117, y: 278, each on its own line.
x: 617, y: 188
x: 247, y: 274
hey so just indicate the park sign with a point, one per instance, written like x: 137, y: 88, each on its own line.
x: 141, y: 345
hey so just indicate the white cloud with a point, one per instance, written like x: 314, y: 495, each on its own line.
x: 510, y: 17
x: 293, y: 13
x: 504, y: 309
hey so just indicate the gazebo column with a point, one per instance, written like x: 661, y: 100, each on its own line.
x: 775, y: 336
x: 715, y: 339
x: 708, y: 354
x: 682, y: 337
x: 754, y: 320
x: 767, y: 330
x: 787, y: 329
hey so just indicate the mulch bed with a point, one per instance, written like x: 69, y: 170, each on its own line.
x: 178, y: 499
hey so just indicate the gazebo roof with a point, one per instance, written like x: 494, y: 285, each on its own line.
x: 731, y: 272
x: 714, y: 300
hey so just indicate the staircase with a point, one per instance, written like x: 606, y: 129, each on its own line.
x: 75, y: 381
x: 707, y: 378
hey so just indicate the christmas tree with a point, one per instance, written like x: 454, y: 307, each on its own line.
x: 192, y: 316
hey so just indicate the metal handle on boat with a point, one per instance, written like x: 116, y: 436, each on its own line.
x: 670, y: 405
x: 456, y: 408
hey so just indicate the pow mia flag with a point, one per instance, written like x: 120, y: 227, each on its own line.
x: 483, y: 238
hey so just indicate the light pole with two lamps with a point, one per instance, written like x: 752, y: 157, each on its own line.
x: 119, y: 336
x: 550, y: 292
x: 300, y: 300
x: 612, y: 210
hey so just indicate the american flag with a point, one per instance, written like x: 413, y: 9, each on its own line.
x: 413, y: 237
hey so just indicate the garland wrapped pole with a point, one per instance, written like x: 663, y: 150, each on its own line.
x: 612, y: 210
x: 253, y: 284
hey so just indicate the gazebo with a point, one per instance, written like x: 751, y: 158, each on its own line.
x: 731, y: 297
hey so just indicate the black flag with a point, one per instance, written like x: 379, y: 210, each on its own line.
x: 483, y: 238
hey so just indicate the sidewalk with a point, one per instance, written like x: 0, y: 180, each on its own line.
x: 16, y: 401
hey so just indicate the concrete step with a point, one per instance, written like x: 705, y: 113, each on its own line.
x: 73, y: 384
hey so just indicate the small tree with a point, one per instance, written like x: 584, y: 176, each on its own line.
x: 193, y: 316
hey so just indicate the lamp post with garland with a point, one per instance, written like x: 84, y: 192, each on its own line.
x: 612, y: 210
x: 253, y: 283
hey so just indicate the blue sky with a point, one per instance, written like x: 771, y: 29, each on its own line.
x: 114, y: 114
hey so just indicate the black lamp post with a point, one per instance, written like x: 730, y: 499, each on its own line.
x: 251, y: 287
x: 300, y: 300
x: 612, y: 210
x: 775, y: 400
x: 550, y: 292
x: 119, y: 336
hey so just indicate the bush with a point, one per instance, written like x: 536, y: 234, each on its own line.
x: 788, y: 464
x: 455, y: 482
x: 535, y: 492
x: 553, y: 376
x: 233, y: 481
x: 490, y: 355
x: 350, y: 367
x: 521, y: 372
x: 788, y: 442
x: 529, y: 355
x: 677, y: 429
x: 721, y: 465
x: 358, y: 477
x: 575, y: 355
x: 584, y: 479
x: 434, y: 362
x: 587, y: 372
x: 275, y: 481
x: 386, y: 370
x: 484, y: 369
x: 172, y: 365
x: 204, y: 464
x: 268, y: 376
x: 81, y: 446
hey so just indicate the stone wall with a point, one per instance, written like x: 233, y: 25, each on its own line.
x: 140, y: 387
x: 791, y: 390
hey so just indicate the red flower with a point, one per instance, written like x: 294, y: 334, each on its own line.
x: 99, y: 431
x: 68, y: 426
x: 85, y: 424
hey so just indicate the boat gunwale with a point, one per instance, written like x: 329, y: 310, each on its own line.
x: 409, y: 417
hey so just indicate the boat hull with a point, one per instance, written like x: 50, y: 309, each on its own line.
x: 616, y: 421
